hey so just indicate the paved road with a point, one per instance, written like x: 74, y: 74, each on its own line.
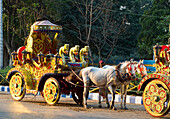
x: 36, y: 108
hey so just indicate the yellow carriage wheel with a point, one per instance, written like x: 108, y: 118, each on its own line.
x: 17, y: 87
x: 156, y: 98
x: 51, y: 91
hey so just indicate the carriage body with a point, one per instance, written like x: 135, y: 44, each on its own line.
x: 38, y: 67
x: 156, y: 86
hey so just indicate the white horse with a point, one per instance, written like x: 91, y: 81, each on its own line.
x: 140, y: 69
x: 109, y: 78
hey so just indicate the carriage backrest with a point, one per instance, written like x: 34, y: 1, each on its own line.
x: 41, y: 43
x: 162, y: 57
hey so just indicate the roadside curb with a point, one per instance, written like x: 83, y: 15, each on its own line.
x: 95, y: 96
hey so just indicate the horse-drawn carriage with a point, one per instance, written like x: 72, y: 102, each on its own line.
x: 38, y: 67
x: 156, y: 86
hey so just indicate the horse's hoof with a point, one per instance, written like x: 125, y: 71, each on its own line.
x: 125, y: 108
x: 114, y: 108
x: 100, y: 106
x: 108, y: 106
x: 85, y: 106
x: 81, y: 104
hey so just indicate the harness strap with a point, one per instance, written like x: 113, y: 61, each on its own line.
x: 118, y: 75
x: 75, y: 73
x: 80, y: 80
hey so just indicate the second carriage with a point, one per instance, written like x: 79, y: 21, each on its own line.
x: 156, y: 86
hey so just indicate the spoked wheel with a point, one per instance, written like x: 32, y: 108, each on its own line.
x: 17, y: 87
x: 77, y: 94
x: 156, y: 98
x: 51, y: 91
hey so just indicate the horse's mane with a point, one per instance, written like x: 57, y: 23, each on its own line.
x: 135, y: 62
x: 118, y: 66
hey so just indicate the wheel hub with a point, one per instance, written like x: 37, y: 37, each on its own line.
x: 156, y: 98
x: 50, y: 91
x: 16, y: 85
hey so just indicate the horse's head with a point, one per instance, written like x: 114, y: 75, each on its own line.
x: 129, y: 70
x: 141, y: 69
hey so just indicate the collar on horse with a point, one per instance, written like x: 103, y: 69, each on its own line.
x: 121, y: 77
x: 117, y: 71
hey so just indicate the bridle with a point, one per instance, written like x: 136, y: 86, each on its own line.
x: 129, y: 68
x: 141, y: 69
x: 126, y: 75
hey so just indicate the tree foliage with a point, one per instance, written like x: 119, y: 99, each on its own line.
x: 19, y: 15
x: 110, y: 27
x: 154, y: 27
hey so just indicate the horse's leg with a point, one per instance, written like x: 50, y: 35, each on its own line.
x: 106, y: 95
x: 85, y: 94
x: 100, y: 106
x: 125, y: 87
x: 113, y: 97
x: 121, y: 92
x: 86, y: 80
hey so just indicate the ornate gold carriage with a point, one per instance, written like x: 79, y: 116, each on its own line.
x: 38, y: 67
x: 156, y: 86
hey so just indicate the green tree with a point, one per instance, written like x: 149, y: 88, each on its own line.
x: 152, y: 28
x: 19, y: 15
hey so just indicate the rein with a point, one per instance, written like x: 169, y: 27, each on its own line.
x: 129, y: 68
x: 125, y: 76
x: 80, y: 80
x: 75, y: 73
x: 118, y: 75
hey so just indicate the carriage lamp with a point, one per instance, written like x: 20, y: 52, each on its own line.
x: 29, y: 55
x: 24, y: 55
x: 40, y: 57
x: 57, y: 57
x: 158, y: 49
x: 49, y: 56
x: 14, y: 55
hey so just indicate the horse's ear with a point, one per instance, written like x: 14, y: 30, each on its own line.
x: 118, y: 66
